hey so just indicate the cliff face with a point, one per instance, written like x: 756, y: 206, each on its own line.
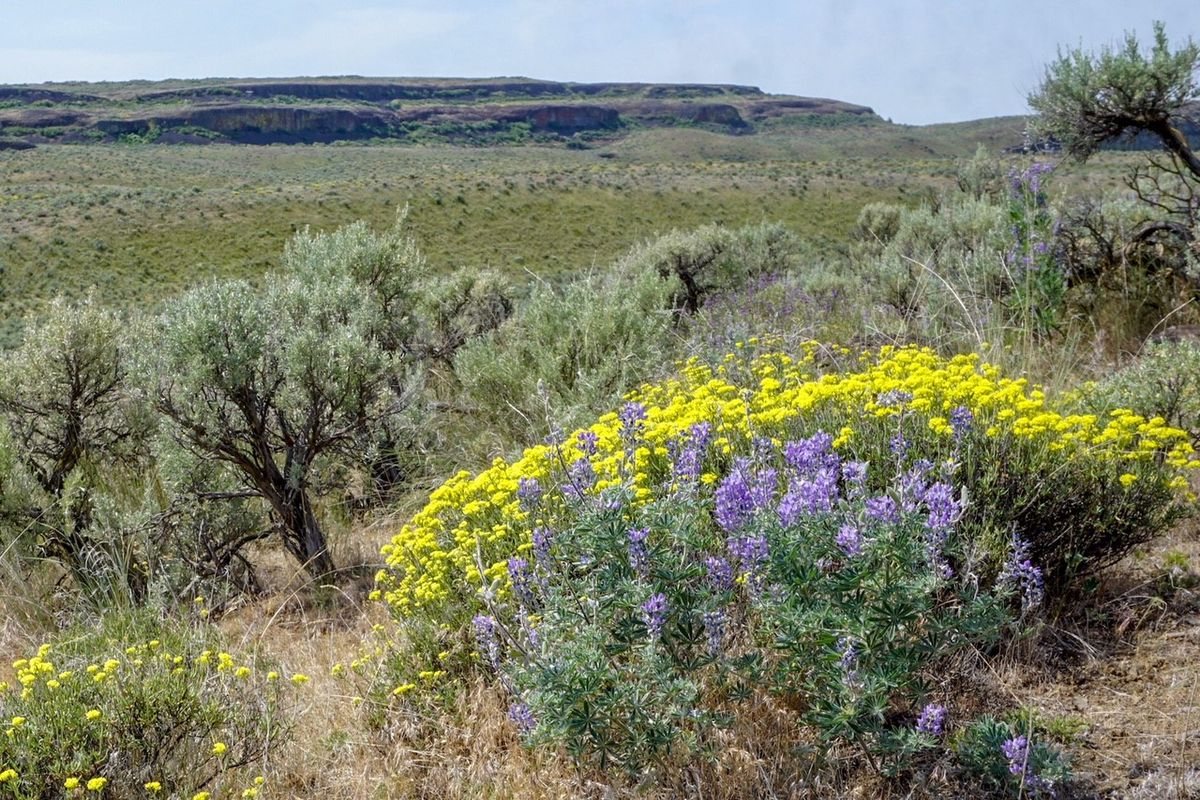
x: 258, y: 124
x: 330, y: 109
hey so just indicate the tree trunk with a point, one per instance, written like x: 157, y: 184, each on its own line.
x: 1174, y: 140
x: 301, y: 531
x: 306, y: 539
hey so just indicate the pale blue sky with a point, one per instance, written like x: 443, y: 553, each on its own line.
x: 915, y: 61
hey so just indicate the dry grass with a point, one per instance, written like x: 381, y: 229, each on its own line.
x: 1128, y: 671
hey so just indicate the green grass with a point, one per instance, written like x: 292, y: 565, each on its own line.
x: 141, y: 223
x: 136, y: 224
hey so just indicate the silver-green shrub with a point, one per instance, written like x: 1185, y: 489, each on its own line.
x: 285, y: 387
x: 573, y: 348
x: 75, y: 443
x: 1163, y: 381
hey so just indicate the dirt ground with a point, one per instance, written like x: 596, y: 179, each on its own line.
x: 1128, y: 677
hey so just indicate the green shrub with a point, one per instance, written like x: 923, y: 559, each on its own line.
x: 76, y: 444
x: 1009, y: 760
x: 136, y: 704
x: 712, y: 259
x: 1163, y: 381
x: 940, y: 270
x: 635, y: 633
x: 574, y: 349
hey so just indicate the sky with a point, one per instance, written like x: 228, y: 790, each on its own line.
x: 913, y: 61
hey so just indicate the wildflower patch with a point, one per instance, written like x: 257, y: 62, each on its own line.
x: 1079, y: 489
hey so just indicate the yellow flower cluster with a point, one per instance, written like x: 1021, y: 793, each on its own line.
x: 62, y: 709
x: 473, y: 523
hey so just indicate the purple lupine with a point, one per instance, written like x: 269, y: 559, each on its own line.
x: 883, y: 509
x: 944, y: 510
x: 555, y: 437
x: 522, y: 581
x: 790, y: 508
x: 854, y: 475
x: 581, y: 476
x: 542, y: 537
x: 808, y: 455
x: 714, y: 631
x: 529, y: 493
x: 632, y: 415
x: 654, y: 614
x: 850, y: 540
x: 733, y: 499
x: 1020, y: 574
x: 719, y: 572
x: 848, y: 653
x: 932, y: 720
x: 848, y: 660
x: 898, y: 445
x: 812, y: 495
x: 486, y: 639
x: 1017, y: 752
x: 961, y: 420
x: 688, y: 452
x: 749, y: 552
x: 588, y: 442
x: 762, y: 449
x: 944, y: 513
x: 762, y: 488
x: 638, y: 553
x: 912, y: 484
x: 1029, y: 180
x: 894, y: 397
x: 522, y: 716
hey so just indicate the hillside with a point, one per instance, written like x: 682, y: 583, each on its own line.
x: 478, y: 111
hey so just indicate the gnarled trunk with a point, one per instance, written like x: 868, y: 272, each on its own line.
x: 300, y: 529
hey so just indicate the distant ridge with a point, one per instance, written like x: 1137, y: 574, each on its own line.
x: 468, y: 110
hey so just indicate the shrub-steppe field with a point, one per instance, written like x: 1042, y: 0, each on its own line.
x: 823, y: 461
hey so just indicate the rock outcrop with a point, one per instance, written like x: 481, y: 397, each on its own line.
x: 331, y: 109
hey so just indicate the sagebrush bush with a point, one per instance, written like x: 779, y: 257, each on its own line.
x: 574, y: 348
x: 941, y: 271
x: 135, y: 708
x: 76, y: 441
x: 1163, y: 381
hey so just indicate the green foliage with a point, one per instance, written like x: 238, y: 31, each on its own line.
x: 199, y: 519
x: 979, y: 748
x: 110, y: 709
x: 458, y: 308
x: 937, y: 271
x: 76, y: 442
x: 385, y: 266
x: 284, y: 387
x: 1087, y: 99
x: 572, y: 349
x: 576, y: 348
x: 981, y: 176
x: 637, y: 632
x: 1163, y: 381
x: 1039, y: 283
x: 712, y: 259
